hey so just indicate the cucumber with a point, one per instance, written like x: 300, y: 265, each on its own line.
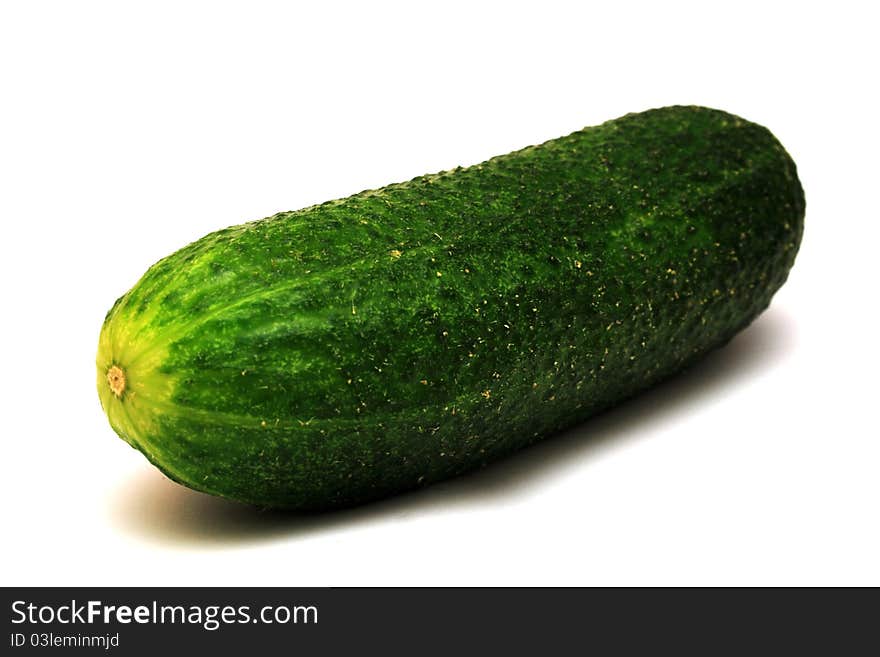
x: 366, y: 346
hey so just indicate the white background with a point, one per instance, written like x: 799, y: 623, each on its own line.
x: 128, y: 130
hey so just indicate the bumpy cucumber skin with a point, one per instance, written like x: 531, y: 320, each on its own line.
x: 358, y: 348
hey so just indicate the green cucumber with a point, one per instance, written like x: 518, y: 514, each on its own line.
x: 378, y: 343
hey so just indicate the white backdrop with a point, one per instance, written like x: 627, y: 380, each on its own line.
x: 127, y: 131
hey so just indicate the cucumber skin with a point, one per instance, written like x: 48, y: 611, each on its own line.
x: 366, y: 346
